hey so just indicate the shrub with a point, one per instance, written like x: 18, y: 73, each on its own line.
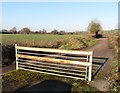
x: 73, y: 43
x: 95, y: 27
x: 8, y: 54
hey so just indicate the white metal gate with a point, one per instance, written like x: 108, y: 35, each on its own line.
x: 67, y: 63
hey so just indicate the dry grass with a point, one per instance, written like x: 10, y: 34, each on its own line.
x: 114, y: 40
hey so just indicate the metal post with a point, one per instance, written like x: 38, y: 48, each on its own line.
x: 90, y: 68
x: 86, y: 77
x: 16, y: 56
x: 87, y: 58
x: 86, y: 73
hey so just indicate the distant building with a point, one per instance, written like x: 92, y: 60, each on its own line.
x: 4, y: 31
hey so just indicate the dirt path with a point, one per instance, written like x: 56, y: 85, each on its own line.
x: 101, y: 49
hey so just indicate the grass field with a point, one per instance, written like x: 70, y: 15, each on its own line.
x: 49, y: 40
x: 67, y: 42
x: 10, y: 38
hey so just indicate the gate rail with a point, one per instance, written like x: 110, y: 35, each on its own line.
x: 66, y: 63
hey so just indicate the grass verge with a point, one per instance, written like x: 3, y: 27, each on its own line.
x: 20, y: 78
x: 114, y: 79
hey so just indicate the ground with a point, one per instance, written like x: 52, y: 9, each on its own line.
x: 101, y: 50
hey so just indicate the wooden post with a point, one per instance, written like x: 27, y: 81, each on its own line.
x: 90, y: 68
x: 16, y: 57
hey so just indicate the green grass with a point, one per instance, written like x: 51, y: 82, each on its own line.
x: 70, y: 42
x: 9, y: 38
x: 67, y: 42
x: 114, y: 79
x: 20, y: 78
x: 114, y: 66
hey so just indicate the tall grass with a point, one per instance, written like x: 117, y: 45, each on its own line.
x: 32, y: 38
x: 114, y: 40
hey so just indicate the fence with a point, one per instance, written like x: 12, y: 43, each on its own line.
x: 66, y: 63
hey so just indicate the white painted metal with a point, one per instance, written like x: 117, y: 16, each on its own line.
x: 52, y: 73
x: 53, y: 67
x: 88, y: 68
x: 87, y: 59
x: 55, y: 50
x: 86, y: 73
x: 54, y: 55
x: 54, y: 60
x: 52, y: 70
x: 60, y: 65
x: 16, y: 56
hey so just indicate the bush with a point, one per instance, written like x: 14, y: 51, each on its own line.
x: 75, y: 43
x: 94, y: 27
x: 8, y: 54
